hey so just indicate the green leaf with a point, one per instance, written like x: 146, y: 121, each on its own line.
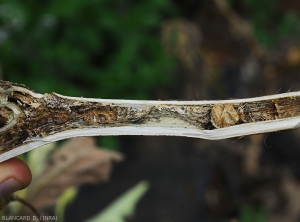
x: 65, y: 198
x: 124, y: 206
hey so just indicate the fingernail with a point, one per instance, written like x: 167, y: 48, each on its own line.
x: 9, y: 186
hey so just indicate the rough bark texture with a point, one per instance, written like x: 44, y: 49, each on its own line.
x: 24, y: 116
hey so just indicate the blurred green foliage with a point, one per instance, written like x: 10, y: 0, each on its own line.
x: 252, y: 214
x: 91, y: 48
x: 271, y: 24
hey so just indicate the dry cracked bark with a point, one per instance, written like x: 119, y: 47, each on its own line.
x: 29, y: 119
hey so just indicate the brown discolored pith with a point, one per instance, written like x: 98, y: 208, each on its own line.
x: 223, y: 115
x: 6, y: 115
x: 48, y: 114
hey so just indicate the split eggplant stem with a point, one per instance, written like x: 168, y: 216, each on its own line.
x: 29, y: 119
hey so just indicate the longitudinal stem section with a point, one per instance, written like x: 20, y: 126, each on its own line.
x: 29, y: 119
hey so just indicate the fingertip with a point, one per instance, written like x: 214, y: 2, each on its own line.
x: 17, y: 169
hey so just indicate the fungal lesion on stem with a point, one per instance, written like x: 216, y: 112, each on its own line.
x: 29, y: 119
x: 6, y: 116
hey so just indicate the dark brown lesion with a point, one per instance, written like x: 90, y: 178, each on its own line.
x: 41, y: 117
x: 6, y: 116
x: 95, y: 114
x: 51, y: 114
x: 13, y: 137
x: 20, y: 98
x: 287, y: 107
x: 5, y: 85
x: 257, y: 111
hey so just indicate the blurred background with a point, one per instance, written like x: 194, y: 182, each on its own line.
x: 170, y: 50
